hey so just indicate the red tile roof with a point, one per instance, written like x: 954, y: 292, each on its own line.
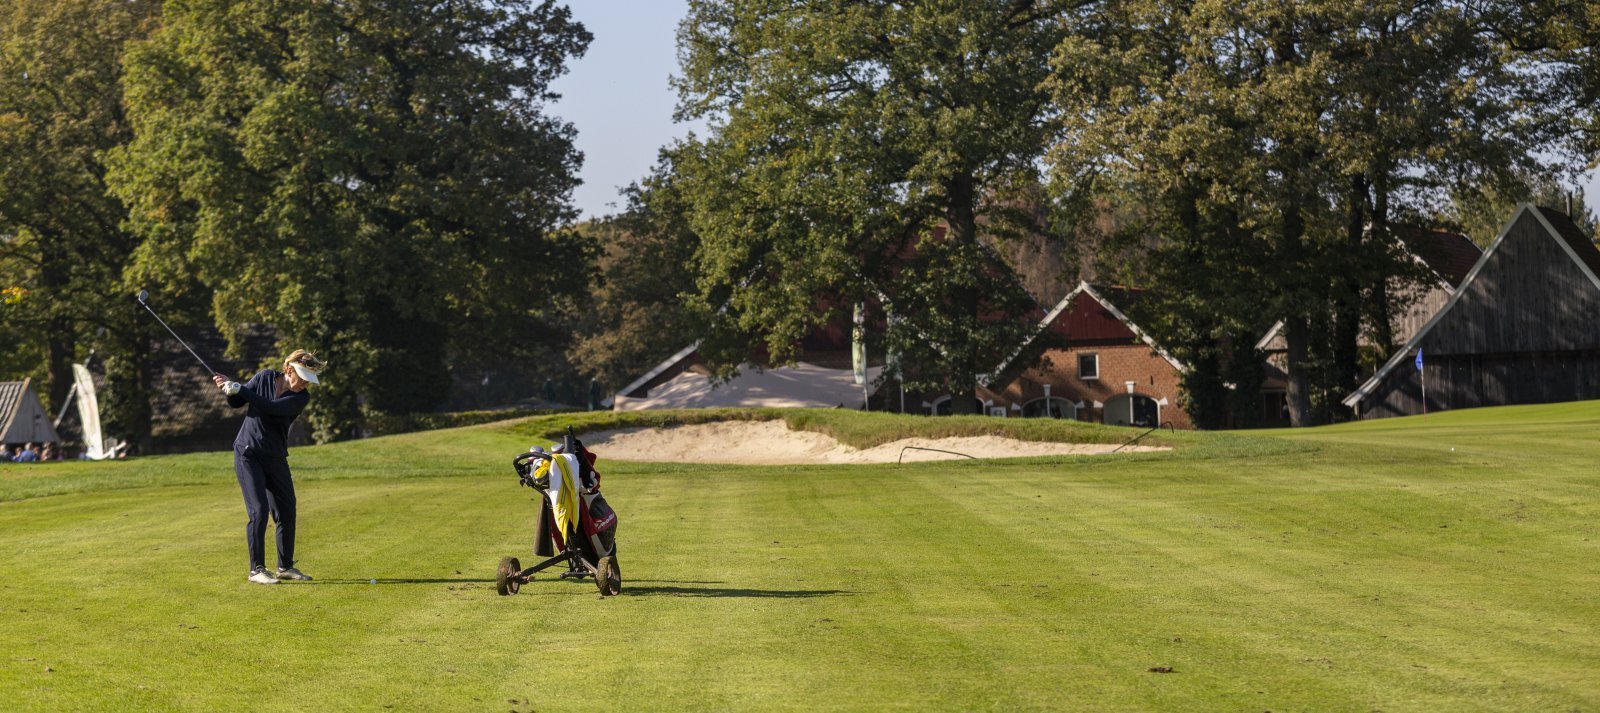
x: 1449, y: 255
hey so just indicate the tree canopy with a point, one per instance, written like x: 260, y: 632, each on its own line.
x: 63, y: 244
x: 378, y: 180
x: 856, y: 148
x: 1272, y: 144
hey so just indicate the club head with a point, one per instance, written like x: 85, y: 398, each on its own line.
x: 143, y: 295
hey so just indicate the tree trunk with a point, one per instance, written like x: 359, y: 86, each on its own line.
x: 1380, y: 311
x: 1296, y: 334
x: 1296, y: 325
x: 125, y: 405
x: 58, y: 338
x: 1347, y: 297
x: 964, y: 234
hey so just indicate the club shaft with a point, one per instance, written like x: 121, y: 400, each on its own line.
x: 180, y: 339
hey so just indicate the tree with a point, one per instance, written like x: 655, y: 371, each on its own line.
x: 641, y: 300
x: 855, y: 151
x: 377, y: 179
x: 1481, y: 214
x: 62, y: 241
x: 1275, y: 141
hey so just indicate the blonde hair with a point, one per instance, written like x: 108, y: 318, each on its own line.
x: 305, y: 359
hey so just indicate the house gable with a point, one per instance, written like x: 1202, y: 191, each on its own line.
x: 22, y: 416
x: 1535, y: 290
x: 668, y: 368
x: 1084, y: 316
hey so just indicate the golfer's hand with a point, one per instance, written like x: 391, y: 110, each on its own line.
x: 221, y: 381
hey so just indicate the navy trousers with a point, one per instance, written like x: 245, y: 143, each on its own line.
x: 267, y: 489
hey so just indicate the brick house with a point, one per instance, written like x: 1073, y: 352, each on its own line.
x: 1089, y: 361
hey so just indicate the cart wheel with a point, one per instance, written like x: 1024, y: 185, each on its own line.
x: 505, y: 576
x: 609, y: 578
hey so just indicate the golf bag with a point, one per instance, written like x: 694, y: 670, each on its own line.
x: 575, y: 524
x: 597, y: 522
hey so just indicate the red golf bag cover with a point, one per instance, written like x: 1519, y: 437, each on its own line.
x: 596, y: 518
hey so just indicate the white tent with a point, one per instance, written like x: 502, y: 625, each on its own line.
x: 801, y: 385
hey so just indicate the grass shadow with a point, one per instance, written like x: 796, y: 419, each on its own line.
x: 386, y: 580
x: 677, y: 581
x: 631, y: 591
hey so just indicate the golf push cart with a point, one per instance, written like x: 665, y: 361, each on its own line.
x: 586, y: 540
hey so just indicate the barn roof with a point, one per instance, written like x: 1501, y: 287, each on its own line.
x: 11, y: 393
x: 659, y: 369
x: 1556, y: 224
x: 17, y: 400
x: 1580, y: 246
x: 1450, y: 255
x: 1109, y: 297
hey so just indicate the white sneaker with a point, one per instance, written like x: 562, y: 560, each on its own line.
x: 260, y: 576
x: 294, y: 574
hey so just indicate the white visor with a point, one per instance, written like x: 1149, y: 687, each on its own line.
x: 306, y: 374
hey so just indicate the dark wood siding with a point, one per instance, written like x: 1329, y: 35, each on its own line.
x: 1531, y: 296
x: 1473, y: 380
x: 1525, y: 330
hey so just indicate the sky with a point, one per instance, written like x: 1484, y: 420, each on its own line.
x: 618, y: 97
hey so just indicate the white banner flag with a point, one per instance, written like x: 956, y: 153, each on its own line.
x: 88, y: 413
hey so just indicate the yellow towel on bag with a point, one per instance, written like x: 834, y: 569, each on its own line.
x: 563, y: 489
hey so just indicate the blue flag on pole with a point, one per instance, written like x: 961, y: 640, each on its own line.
x: 1419, y: 359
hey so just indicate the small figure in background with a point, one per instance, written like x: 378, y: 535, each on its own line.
x: 28, y: 454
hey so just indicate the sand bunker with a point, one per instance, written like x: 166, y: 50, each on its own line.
x: 772, y: 443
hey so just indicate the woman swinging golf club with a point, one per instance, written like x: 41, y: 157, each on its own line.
x: 261, y: 456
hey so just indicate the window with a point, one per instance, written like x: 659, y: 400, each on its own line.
x: 1059, y: 408
x: 1131, y: 410
x: 1088, y: 367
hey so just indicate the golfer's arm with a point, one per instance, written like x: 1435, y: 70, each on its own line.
x: 286, y: 406
x: 240, y: 399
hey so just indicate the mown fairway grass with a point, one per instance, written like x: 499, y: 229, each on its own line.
x: 1360, y: 567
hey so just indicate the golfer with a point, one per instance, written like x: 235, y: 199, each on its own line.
x: 261, y: 456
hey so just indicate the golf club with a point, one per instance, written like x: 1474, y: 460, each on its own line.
x: 144, y: 295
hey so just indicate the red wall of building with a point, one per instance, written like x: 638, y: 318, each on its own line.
x: 1153, y: 376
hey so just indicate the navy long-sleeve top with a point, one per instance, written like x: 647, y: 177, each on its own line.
x: 266, y: 424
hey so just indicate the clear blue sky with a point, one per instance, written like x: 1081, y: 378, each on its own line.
x: 617, y: 96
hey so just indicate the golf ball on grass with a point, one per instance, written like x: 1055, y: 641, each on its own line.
x: 374, y: 581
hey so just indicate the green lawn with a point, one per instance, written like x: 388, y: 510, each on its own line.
x: 1359, y: 567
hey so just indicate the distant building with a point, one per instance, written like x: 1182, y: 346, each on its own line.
x: 823, y: 377
x: 1523, y: 326
x: 1447, y: 258
x: 22, y: 416
x: 1094, y: 363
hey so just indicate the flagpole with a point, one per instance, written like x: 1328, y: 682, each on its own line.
x: 1422, y: 375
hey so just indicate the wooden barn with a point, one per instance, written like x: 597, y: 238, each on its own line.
x: 1089, y: 361
x: 22, y: 416
x: 1445, y: 257
x: 1522, y: 327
